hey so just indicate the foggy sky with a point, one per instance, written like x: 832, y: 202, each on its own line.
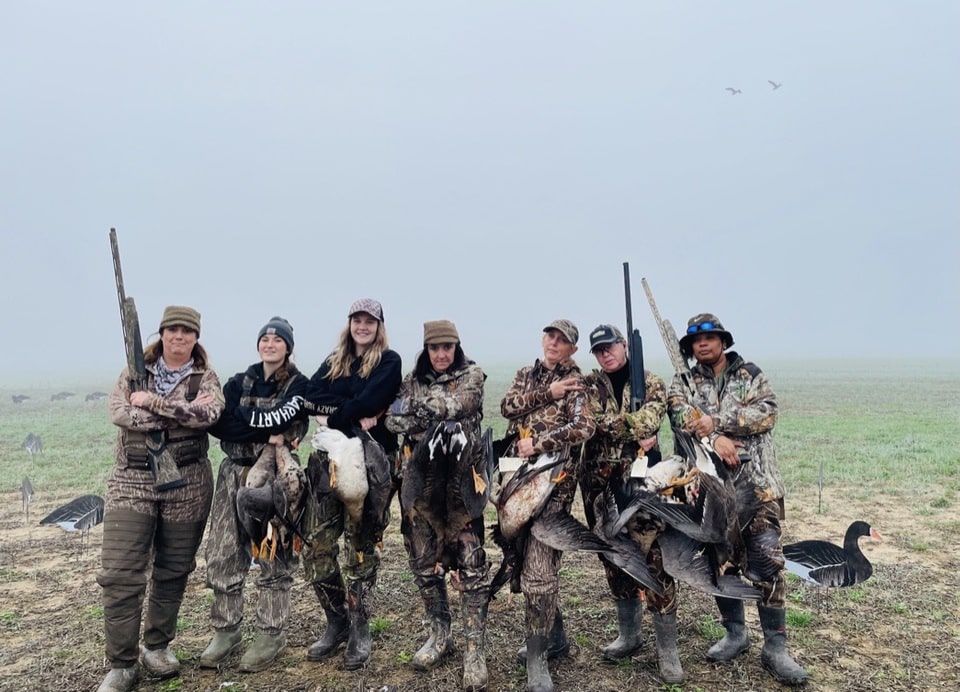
x: 491, y: 163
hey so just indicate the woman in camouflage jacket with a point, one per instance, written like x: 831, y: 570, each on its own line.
x: 549, y: 401
x: 168, y: 418
x: 439, y: 532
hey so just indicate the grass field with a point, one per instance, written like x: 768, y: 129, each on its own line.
x: 855, y: 440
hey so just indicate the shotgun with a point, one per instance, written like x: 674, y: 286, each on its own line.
x: 638, y: 385
x: 166, y: 475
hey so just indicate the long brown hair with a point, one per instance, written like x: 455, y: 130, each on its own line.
x: 153, y: 351
x: 343, y: 356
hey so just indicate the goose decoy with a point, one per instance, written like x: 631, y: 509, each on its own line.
x: 33, y: 444
x: 81, y: 514
x: 826, y: 564
x: 270, y: 503
x: 26, y: 492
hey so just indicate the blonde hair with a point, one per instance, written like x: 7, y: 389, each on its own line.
x: 344, y: 355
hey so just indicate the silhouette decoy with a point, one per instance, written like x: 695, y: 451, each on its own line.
x: 33, y: 444
x: 81, y: 514
x: 826, y: 564
x: 61, y: 396
x: 774, y: 84
x: 733, y: 92
x: 26, y: 492
x: 19, y: 398
x: 95, y: 396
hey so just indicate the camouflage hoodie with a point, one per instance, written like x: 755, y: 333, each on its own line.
x: 744, y: 409
x: 454, y: 396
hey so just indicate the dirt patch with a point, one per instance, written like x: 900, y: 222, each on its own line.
x: 899, y: 631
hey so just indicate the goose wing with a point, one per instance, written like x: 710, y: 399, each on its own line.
x: 697, y: 564
x: 80, y: 514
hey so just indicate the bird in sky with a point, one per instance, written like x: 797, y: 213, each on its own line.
x: 774, y: 84
x: 734, y: 92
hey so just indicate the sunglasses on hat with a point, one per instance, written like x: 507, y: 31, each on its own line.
x: 702, y: 327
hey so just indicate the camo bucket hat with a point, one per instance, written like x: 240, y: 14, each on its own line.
x: 704, y: 323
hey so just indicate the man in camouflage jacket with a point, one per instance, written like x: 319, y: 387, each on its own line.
x: 549, y: 400
x: 621, y: 436
x: 733, y: 405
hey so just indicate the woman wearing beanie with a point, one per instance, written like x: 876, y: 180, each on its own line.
x: 351, y: 392
x: 263, y: 413
x: 445, y: 388
x: 162, y: 425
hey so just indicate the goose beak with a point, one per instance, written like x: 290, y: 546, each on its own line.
x: 875, y: 535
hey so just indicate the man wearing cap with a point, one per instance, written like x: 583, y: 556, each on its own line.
x: 145, y: 519
x: 439, y: 407
x: 264, y: 409
x: 733, y: 405
x: 548, y: 401
x: 622, y: 435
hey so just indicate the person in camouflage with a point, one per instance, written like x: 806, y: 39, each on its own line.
x: 351, y: 390
x: 548, y: 400
x: 733, y: 405
x: 171, y: 416
x: 445, y: 387
x: 621, y: 436
x: 264, y: 406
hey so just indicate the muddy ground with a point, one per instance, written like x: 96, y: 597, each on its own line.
x: 899, y: 631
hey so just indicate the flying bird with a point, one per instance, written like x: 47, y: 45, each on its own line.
x: 81, y: 514
x: 774, y: 84
x: 734, y: 92
x: 827, y: 564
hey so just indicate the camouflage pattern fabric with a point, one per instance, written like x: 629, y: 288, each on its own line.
x: 138, y: 518
x: 556, y: 426
x: 744, y: 408
x: 450, y: 537
x: 323, y: 525
x: 612, y: 450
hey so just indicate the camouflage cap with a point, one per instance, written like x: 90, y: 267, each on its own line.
x: 368, y: 305
x: 605, y: 334
x: 704, y: 323
x: 565, y: 327
x: 180, y: 316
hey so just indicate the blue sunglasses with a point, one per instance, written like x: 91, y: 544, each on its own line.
x: 702, y: 327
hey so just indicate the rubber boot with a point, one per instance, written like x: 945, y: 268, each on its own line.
x: 263, y: 652
x: 736, y: 640
x: 358, y: 636
x: 440, y: 642
x: 558, y: 646
x: 332, y: 596
x: 668, y: 660
x: 538, y: 674
x: 474, y: 627
x: 774, y: 656
x: 629, y: 639
x: 224, y: 643
x: 121, y: 679
x: 161, y: 663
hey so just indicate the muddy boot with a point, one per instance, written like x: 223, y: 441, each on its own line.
x: 665, y: 625
x: 474, y: 661
x: 538, y: 674
x: 224, y: 643
x: 774, y: 656
x: 332, y: 598
x: 736, y: 640
x: 161, y: 663
x: 440, y: 642
x: 358, y: 635
x: 121, y: 679
x: 558, y: 646
x: 263, y: 652
x: 629, y: 639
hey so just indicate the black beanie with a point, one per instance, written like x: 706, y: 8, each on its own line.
x: 280, y: 327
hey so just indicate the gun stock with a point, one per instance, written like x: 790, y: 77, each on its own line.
x: 166, y: 475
